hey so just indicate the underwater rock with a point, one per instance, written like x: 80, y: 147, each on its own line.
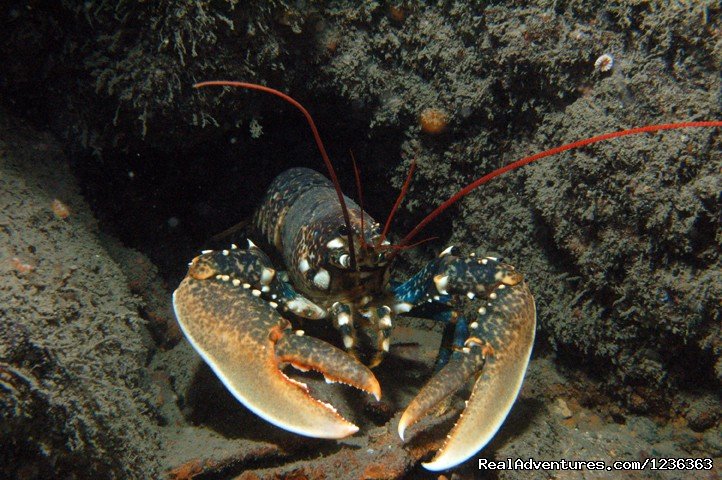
x: 72, y: 345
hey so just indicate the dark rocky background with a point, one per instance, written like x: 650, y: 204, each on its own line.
x: 620, y: 241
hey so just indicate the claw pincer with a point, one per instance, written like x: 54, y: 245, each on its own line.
x: 496, y: 353
x: 227, y: 308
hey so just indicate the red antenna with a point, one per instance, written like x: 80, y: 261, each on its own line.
x: 360, y: 193
x: 402, y: 194
x: 316, y: 136
x: 548, y: 153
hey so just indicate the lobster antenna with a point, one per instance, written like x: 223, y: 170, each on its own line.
x: 548, y: 153
x: 316, y: 136
x: 396, y: 248
x: 402, y: 194
x: 360, y: 194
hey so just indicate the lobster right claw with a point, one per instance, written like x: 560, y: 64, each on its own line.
x: 245, y: 340
x: 497, y: 352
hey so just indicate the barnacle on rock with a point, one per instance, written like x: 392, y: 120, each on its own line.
x: 604, y: 63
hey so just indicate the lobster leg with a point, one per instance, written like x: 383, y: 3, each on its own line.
x: 495, y: 353
x: 222, y: 309
x: 456, y: 331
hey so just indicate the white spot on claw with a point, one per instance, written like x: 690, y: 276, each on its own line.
x: 441, y: 282
x: 402, y: 307
x: 236, y: 282
x: 471, y: 295
x: 482, y: 310
x: 267, y: 275
x: 385, y: 344
x: 347, y: 341
x: 474, y: 325
x: 256, y: 293
x: 226, y: 252
x: 300, y: 333
x: 492, y: 295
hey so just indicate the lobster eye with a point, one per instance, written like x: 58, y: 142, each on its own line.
x: 343, y: 230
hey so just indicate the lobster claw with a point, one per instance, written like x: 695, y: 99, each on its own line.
x: 498, y: 362
x: 245, y: 340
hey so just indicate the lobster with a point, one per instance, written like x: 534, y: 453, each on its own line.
x: 236, y: 308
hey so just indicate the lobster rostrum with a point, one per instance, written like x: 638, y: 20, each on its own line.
x: 235, y: 306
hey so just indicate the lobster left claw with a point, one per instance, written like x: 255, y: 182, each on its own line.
x: 497, y: 352
x: 244, y: 339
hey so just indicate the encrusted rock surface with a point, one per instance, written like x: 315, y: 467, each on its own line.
x: 620, y: 241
